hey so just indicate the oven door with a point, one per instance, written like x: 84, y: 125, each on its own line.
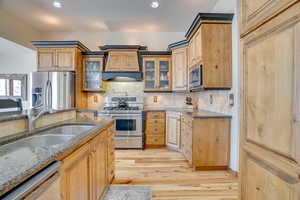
x: 128, y: 125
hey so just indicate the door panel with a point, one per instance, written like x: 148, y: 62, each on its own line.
x: 46, y: 59
x: 270, y: 140
x: 173, y: 130
x: 179, y: 64
x: 65, y: 59
x: 255, y: 12
x: 269, y: 84
x: 264, y: 183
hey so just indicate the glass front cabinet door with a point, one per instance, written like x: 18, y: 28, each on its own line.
x: 157, y: 73
x: 92, y: 73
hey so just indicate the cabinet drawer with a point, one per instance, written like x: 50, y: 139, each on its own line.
x: 155, y: 140
x: 156, y: 115
x: 153, y: 122
x: 155, y: 130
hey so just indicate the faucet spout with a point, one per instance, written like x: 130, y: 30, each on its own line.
x: 33, y: 117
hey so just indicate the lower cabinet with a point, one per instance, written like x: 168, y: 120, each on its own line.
x: 173, y: 130
x: 205, y: 142
x: 75, y: 175
x: 155, y: 129
x: 86, y: 173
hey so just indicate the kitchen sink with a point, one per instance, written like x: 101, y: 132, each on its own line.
x: 69, y: 129
x: 47, y: 140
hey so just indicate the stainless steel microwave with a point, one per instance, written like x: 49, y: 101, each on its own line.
x: 196, y: 77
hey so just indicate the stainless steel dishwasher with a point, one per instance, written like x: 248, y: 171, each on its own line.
x: 42, y: 186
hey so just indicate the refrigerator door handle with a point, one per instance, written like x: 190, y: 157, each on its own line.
x: 50, y: 95
x: 46, y: 95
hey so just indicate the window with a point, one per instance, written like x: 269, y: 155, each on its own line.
x: 13, y: 85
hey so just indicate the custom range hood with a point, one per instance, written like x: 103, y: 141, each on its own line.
x: 123, y: 62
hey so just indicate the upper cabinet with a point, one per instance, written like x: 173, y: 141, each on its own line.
x: 120, y: 60
x: 255, y: 13
x: 179, y: 66
x: 92, y: 71
x: 210, y: 45
x: 157, y: 71
x: 58, y: 55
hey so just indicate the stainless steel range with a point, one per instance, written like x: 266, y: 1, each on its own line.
x: 127, y: 113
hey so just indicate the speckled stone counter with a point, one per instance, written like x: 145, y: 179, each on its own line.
x: 25, y: 114
x: 21, y: 158
x: 194, y: 114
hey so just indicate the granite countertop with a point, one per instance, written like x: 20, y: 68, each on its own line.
x: 24, y: 157
x: 192, y: 113
x: 7, y: 116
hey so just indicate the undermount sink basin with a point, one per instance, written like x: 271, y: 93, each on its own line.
x: 47, y: 140
x: 74, y: 129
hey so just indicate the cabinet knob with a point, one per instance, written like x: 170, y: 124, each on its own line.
x: 216, y: 66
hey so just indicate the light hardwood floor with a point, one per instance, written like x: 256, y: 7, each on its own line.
x: 168, y: 174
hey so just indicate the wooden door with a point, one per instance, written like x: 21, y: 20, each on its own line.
x: 173, y: 130
x: 75, y: 175
x: 65, y: 59
x: 256, y: 12
x: 98, y: 166
x: 270, y: 141
x: 46, y: 59
x: 179, y: 72
x: 197, y: 51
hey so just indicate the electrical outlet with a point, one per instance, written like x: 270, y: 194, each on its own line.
x: 231, y: 99
x: 95, y: 99
x: 211, y: 99
x: 155, y: 99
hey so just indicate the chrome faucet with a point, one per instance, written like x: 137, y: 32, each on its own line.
x: 34, y: 117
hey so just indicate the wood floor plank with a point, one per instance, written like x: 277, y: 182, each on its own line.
x: 170, y: 177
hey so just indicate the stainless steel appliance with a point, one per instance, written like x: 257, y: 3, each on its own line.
x: 196, y: 77
x: 53, y: 90
x: 127, y: 113
x: 36, y: 186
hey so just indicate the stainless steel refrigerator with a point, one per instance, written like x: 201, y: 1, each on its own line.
x: 54, y: 90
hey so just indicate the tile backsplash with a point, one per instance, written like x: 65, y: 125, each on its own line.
x: 216, y: 101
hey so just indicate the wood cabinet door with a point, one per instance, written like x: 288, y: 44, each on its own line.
x: 46, y: 59
x: 92, y: 73
x: 198, y: 46
x: 270, y: 109
x: 75, y: 175
x: 179, y: 72
x: 164, y: 77
x: 150, y: 73
x: 98, y: 165
x: 217, y: 55
x: 65, y: 59
x: 173, y: 130
x: 256, y: 12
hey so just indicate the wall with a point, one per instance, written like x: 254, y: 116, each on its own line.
x: 14, y: 29
x: 154, y: 40
x: 15, y: 58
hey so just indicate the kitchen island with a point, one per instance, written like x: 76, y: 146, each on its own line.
x: 24, y: 154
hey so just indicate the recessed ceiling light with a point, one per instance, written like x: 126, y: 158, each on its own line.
x: 57, y: 4
x: 154, y: 4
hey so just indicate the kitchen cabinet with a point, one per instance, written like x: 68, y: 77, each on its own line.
x: 86, y: 172
x: 155, y: 129
x: 270, y: 108
x: 92, y: 73
x: 173, y: 130
x: 205, y: 142
x: 98, y: 165
x: 179, y: 69
x: 210, y: 45
x: 56, y: 59
x: 111, y: 155
x: 157, y: 73
x: 75, y: 175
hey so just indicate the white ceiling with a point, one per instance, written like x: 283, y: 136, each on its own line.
x: 108, y: 15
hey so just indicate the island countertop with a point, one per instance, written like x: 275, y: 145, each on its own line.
x: 21, y: 159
